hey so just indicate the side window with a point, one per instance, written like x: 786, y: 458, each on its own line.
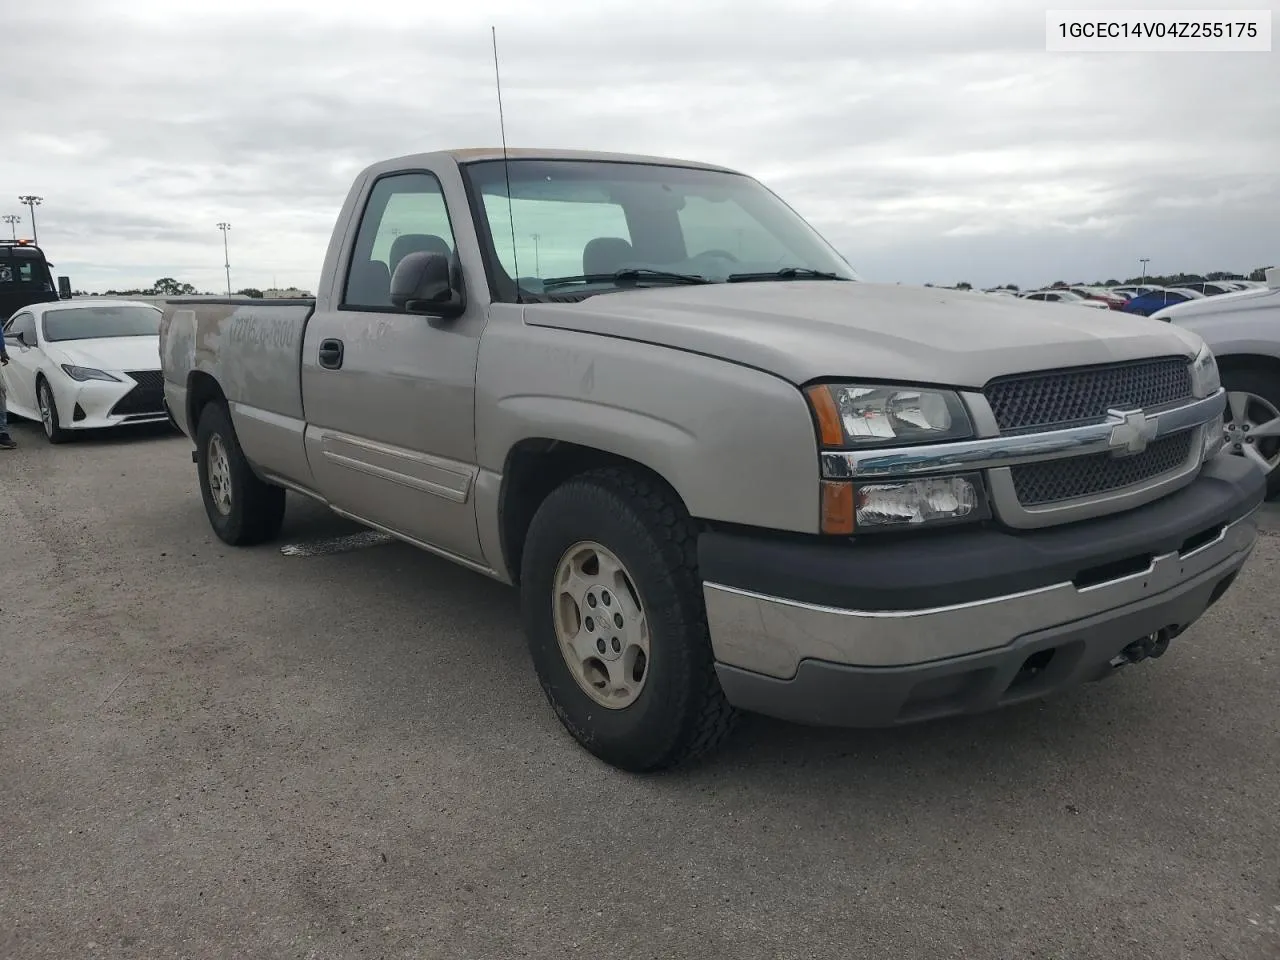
x: 23, y: 324
x: 405, y: 213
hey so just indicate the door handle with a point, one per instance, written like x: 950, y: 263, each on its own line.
x: 331, y: 354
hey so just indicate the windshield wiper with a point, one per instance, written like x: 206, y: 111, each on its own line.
x: 626, y: 275
x: 786, y: 273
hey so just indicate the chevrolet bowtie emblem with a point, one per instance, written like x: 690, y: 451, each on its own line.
x: 1131, y: 433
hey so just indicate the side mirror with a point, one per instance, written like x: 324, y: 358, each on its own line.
x: 64, y: 288
x: 22, y: 339
x: 423, y: 283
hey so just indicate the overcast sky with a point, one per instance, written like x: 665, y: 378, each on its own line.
x: 932, y: 141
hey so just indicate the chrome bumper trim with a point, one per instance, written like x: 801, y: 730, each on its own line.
x: 1008, y: 451
x: 771, y: 635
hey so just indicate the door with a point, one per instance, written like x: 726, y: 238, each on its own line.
x: 389, y: 396
x: 24, y: 361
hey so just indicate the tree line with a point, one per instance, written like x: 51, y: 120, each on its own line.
x: 169, y: 287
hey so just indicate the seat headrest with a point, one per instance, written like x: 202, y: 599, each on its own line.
x: 369, y: 284
x: 605, y: 254
x: 408, y: 243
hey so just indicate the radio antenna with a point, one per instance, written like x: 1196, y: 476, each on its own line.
x: 506, y: 163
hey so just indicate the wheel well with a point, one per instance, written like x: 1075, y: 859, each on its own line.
x: 534, y: 468
x: 1249, y: 361
x: 202, y: 390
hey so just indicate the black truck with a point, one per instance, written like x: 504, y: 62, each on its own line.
x: 26, y: 277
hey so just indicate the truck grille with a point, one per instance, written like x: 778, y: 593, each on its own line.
x: 1056, y: 480
x: 1047, y: 400
x: 146, y: 398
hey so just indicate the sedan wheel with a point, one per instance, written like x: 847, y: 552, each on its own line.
x: 49, y: 413
x: 1254, y: 429
x: 1252, y: 425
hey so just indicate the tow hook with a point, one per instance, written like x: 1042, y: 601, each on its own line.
x: 1153, y: 645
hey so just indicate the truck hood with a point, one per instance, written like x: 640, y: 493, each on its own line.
x: 807, y: 330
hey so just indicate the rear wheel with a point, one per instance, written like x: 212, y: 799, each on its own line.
x: 243, y: 509
x: 1253, y: 420
x: 49, y: 413
x: 615, y: 622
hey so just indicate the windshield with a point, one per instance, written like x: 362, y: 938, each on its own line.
x: 93, y: 323
x: 583, y: 221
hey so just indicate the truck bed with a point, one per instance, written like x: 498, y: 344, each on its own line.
x: 251, y: 348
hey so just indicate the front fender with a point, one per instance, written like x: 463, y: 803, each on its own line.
x: 737, y: 444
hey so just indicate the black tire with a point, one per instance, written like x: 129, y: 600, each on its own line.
x: 53, y: 426
x: 1265, y: 384
x: 680, y: 713
x: 256, y: 509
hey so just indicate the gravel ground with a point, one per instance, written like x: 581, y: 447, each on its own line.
x: 207, y: 752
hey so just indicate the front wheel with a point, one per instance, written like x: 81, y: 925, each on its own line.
x: 1253, y: 420
x: 243, y: 509
x: 49, y: 413
x: 615, y: 622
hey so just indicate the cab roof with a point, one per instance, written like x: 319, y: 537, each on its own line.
x: 476, y: 154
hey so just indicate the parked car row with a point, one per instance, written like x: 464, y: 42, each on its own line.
x: 1142, y: 299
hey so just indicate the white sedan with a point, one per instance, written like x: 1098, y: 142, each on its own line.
x: 84, y: 365
x: 1063, y: 296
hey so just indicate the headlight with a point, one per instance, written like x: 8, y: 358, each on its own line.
x: 87, y: 373
x: 1205, y: 379
x: 858, y: 415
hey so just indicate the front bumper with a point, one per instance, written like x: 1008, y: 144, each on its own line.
x: 886, y: 630
x: 99, y: 404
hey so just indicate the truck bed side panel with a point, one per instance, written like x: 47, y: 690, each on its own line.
x: 253, y: 350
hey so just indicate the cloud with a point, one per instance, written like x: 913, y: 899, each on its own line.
x: 929, y: 141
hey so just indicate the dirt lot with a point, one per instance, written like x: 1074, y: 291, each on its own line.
x: 216, y: 753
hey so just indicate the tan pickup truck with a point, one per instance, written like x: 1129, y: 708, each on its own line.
x: 724, y: 472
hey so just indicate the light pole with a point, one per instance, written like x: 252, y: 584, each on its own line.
x: 1144, y: 261
x: 537, y: 263
x: 12, y: 219
x: 226, y: 257
x: 32, y: 202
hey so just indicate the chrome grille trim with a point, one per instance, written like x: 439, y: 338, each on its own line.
x: 1008, y: 450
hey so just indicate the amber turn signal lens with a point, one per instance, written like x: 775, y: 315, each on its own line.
x: 837, y: 507
x: 824, y: 409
